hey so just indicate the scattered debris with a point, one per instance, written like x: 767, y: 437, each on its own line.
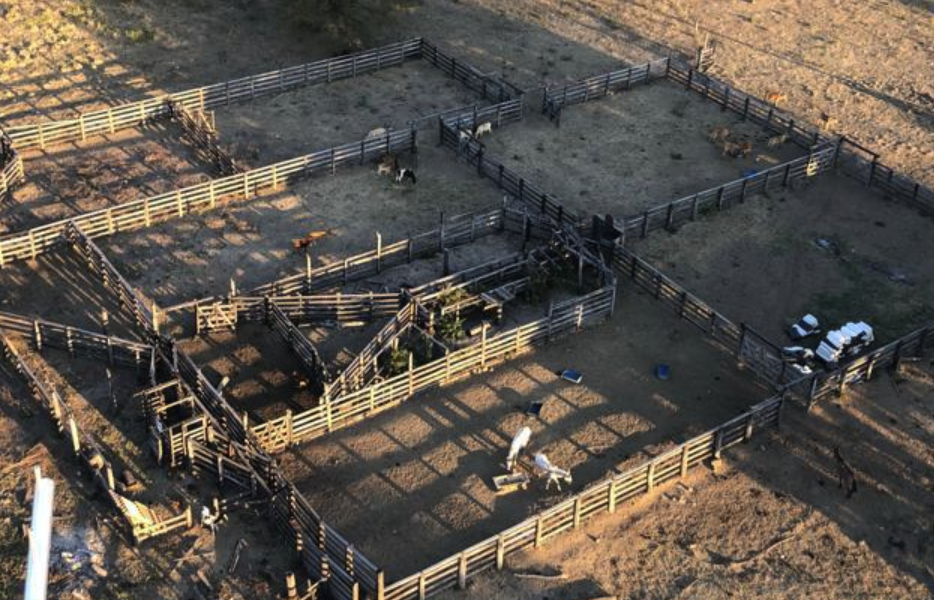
x: 572, y: 376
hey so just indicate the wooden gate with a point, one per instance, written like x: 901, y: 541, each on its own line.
x: 219, y: 316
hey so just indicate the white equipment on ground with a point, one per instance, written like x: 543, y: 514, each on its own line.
x: 800, y: 358
x: 555, y: 474
x: 519, y: 443
x: 849, y: 340
x: 807, y: 326
x: 40, y: 538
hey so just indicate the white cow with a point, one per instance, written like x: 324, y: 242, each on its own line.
x: 555, y: 474
x: 519, y: 443
x: 483, y: 129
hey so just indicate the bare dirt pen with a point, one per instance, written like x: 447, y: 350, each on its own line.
x: 413, y: 485
x: 632, y: 151
x: 251, y: 241
x: 58, y: 286
x: 70, y: 179
x: 834, y: 249
x: 316, y: 117
x: 771, y: 523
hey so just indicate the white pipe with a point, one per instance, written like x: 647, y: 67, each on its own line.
x: 40, y: 538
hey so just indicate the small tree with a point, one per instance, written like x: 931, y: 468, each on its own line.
x: 354, y: 23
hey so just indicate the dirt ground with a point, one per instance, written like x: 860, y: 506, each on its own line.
x: 91, y: 558
x: 833, y: 249
x: 861, y: 67
x: 430, y: 462
x: 632, y: 151
x: 772, y: 524
x: 251, y: 241
x: 314, y: 118
x: 70, y: 179
x: 59, y: 287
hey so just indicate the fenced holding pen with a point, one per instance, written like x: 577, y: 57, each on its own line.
x: 134, y: 114
x: 140, y: 522
x: 600, y: 498
x: 146, y: 212
x: 451, y: 233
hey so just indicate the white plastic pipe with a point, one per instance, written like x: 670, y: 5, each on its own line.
x: 40, y: 538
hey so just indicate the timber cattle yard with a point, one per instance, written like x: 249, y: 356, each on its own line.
x: 388, y: 326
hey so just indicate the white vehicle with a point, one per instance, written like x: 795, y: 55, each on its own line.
x: 849, y: 340
x: 806, y: 327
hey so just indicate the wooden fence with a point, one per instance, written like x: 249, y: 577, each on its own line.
x: 485, y: 86
x: 600, y: 498
x: 498, y: 115
x: 88, y: 452
x: 300, y: 309
x: 517, y: 187
x: 42, y: 334
x: 342, y: 411
x: 146, y: 212
x: 134, y: 114
x: 365, y: 366
x: 11, y: 167
x: 452, y: 232
x: 325, y: 553
x: 111, y: 279
x: 198, y: 132
x: 741, y: 341
x: 890, y: 356
x: 599, y: 86
x: 865, y: 166
x: 303, y: 348
x: 673, y: 214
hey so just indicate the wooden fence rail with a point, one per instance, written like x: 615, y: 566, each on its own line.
x: 133, y: 114
x: 890, y: 356
x: 741, y: 341
x: 87, y: 451
x: 292, y: 513
x: 671, y: 215
x: 303, y: 348
x: 11, y: 167
x: 112, y: 280
x: 484, y: 85
x: 865, y: 166
x: 146, y: 212
x: 344, y: 410
x: 300, y: 309
x: 600, y: 498
x: 116, y: 351
x: 599, y: 86
x: 516, y: 186
x: 200, y: 134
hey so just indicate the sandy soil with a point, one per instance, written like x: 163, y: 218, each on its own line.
x: 251, y: 241
x: 772, y: 523
x: 632, y: 151
x: 313, y: 118
x: 430, y: 462
x: 863, y: 66
x: 876, y: 267
x: 70, y: 179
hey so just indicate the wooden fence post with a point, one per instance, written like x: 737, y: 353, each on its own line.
x: 500, y: 552
x: 539, y: 533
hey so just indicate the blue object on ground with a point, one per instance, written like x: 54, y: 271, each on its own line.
x: 663, y: 371
x: 572, y: 375
x: 534, y: 408
x: 747, y: 173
